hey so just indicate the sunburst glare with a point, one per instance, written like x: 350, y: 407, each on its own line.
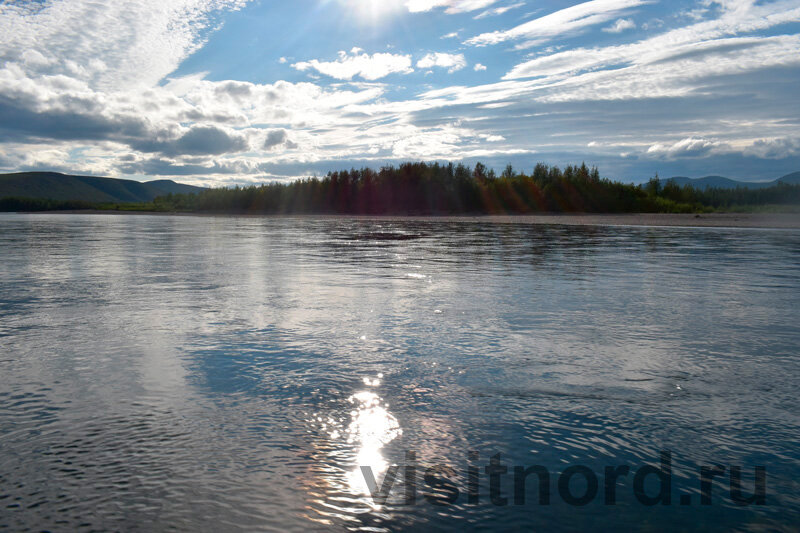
x: 372, y: 10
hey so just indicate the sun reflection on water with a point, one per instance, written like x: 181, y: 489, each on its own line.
x: 371, y: 427
x: 352, y: 438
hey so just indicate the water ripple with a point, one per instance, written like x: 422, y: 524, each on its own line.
x: 229, y: 373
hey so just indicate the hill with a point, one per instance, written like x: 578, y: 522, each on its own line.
x: 169, y: 186
x: 721, y: 182
x: 63, y: 187
x: 791, y: 179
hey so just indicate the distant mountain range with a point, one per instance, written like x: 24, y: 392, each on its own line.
x: 63, y: 187
x: 721, y: 182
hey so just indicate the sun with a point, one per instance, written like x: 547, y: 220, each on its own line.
x: 373, y: 10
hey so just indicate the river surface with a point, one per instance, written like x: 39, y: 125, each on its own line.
x: 234, y: 374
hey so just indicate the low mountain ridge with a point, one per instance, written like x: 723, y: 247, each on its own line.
x: 721, y: 182
x: 791, y: 179
x: 64, y: 187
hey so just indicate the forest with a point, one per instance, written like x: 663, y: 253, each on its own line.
x: 448, y: 189
x: 437, y: 189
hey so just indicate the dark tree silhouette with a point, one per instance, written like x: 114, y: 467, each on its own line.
x: 434, y: 188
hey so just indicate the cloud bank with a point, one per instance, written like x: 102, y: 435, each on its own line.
x: 103, y: 88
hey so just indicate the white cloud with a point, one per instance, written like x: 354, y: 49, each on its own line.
x: 223, y: 117
x: 606, y: 74
x: 571, y: 19
x: 118, y: 109
x: 452, y: 62
x: 418, y: 6
x: 689, y: 147
x: 110, y: 45
x: 498, y: 10
x: 122, y: 113
x: 278, y: 138
x: 368, y: 67
x: 776, y: 148
x: 694, y: 41
x: 620, y: 25
x: 43, y: 159
x: 453, y: 6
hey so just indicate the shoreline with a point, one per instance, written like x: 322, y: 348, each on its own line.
x: 711, y: 220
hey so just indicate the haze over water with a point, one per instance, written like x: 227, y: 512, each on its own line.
x: 218, y: 373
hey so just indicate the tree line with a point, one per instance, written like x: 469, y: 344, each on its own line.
x: 442, y: 189
x: 41, y: 204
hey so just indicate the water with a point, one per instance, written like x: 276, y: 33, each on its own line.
x: 232, y: 373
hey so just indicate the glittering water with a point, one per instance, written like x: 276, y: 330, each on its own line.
x: 234, y: 373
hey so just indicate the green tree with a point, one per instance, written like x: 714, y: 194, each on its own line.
x: 653, y: 186
x: 480, y: 170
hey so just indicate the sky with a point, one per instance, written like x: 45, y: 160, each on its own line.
x: 222, y: 92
